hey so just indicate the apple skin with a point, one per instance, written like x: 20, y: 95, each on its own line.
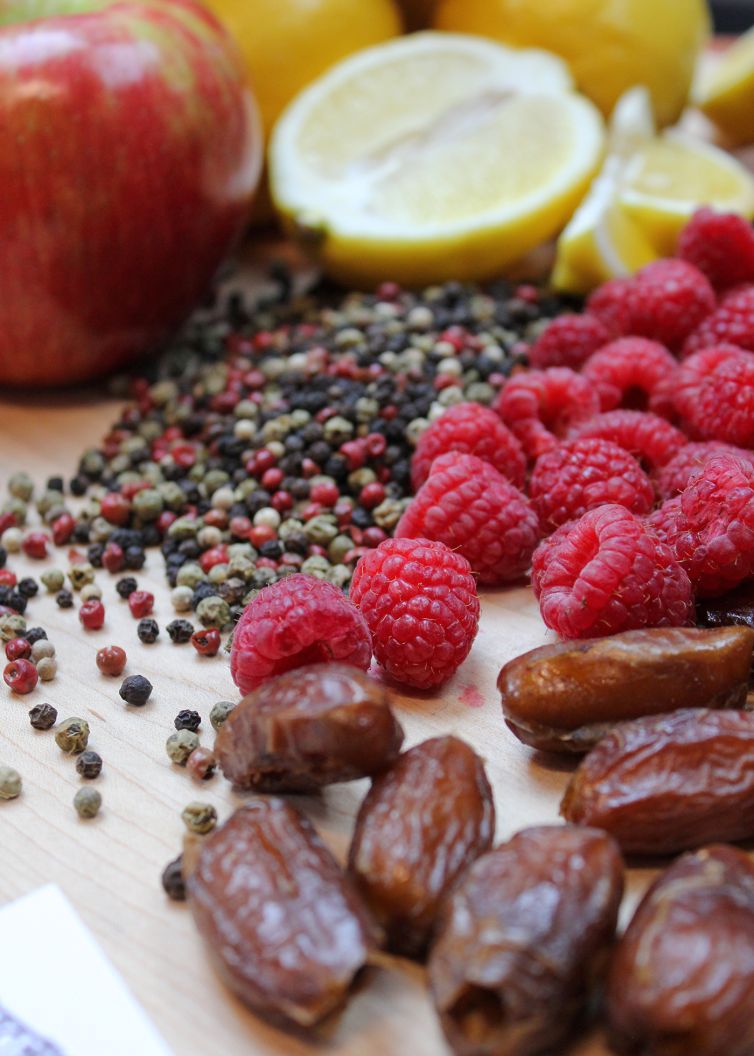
x: 130, y: 148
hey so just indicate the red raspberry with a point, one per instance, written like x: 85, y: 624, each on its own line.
x: 475, y: 511
x: 608, y: 573
x: 568, y: 341
x: 471, y: 430
x: 633, y: 372
x: 676, y: 475
x: 419, y: 599
x: 666, y: 300
x: 714, y: 394
x: 539, y: 407
x: 721, y: 245
x: 731, y: 323
x: 710, y: 526
x: 298, y: 620
x: 650, y: 439
x: 582, y: 474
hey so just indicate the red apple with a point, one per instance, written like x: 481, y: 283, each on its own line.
x: 130, y: 148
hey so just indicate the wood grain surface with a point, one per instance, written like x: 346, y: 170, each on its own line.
x: 110, y: 867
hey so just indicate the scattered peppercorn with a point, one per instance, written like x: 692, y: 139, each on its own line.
x: 43, y: 716
x: 201, y: 764
x: 21, y: 676
x: 89, y: 764
x: 126, y: 586
x: 28, y: 587
x: 10, y: 782
x: 187, y: 720
x: 47, y: 668
x: 135, y: 690
x: 180, y: 631
x: 180, y: 745
x: 207, y: 642
x: 87, y: 802
x: 18, y: 649
x: 35, y: 634
x: 172, y: 880
x: 141, y: 603
x: 111, y: 660
x: 220, y: 713
x: 72, y: 735
x: 199, y: 817
x: 41, y: 648
x: 92, y: 615
x: 64, y: 599
x: 148, y: 630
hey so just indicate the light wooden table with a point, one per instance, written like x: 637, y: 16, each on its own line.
x: 110, y: 867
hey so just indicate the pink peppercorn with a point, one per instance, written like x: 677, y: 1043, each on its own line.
x: 272, y: 478
x: 112, y: 557
x: 373, y: 536
x: 206, y: 642
x: 282, y: 501
x: 7, y: 578
x: 35, y: 545
x: 261, y: 533
x: 141, y: 603
x: 92, y: 614
x: 115, y: 508
x: 372, y: 495
x: 21, y: 676
x: 18, y: 649
x: 217, y: 555
x: 62, y: 529
x: 325, y: 493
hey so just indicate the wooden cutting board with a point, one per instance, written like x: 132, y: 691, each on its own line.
x: 110, y: 867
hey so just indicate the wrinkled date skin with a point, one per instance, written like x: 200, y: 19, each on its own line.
x: 681, y: 982
x: 283, y: 922
x: 422, y: 822
x: 308, y: 728
x: 565, y: 697
x: 734, y: 608
x: 523, y: 939
x: 669, y: 782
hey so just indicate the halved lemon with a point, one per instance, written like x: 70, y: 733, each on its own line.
x: 724, y: 90
x: 433, y: 156
x: 671, y: 176
x: 602, y: 241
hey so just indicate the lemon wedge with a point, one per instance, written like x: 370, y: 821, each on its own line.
x: 433, y: 156
x: 725, y: 90
x: 602, y: 241
x: 671, y: 176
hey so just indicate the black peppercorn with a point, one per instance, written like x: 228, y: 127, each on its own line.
x: 28, y: 587
x: 3, y: 556
x: 134, y: 557
x: 94, y: 554
x: 55, y: 484
x: 126, y: 586
x: 35, y: 634
x: 43, y: 716
x: 135, y: 690
x: 172, y: 880
x: 18, y: 602
x: 148, y: 630
x: 64, y: 599
x: 78, y: 486
x: 180, y: 631
x: 89, y: 764
x: 187, y: 720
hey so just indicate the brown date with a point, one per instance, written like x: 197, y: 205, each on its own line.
x: 681, y: 982
x: 523, y: 939
x: 734, y: 608
x: 308, y: 728
x: 669, y: 782
x: 287, y: 930
x: 565, y: 697
x: 421, y: 823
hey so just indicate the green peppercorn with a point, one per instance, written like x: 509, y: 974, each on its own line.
x: 316, y: 566
x: 87, y: 802
x: 321, y: 529
x: 47, y: 668
x: 73, y: 736
x: 80, y: 575
x: 180, y: 745
x: 53, y: 580
x: 220, y: 713
x: 43, y: 716
x: 147, y: 504
x: 213, y: 612
x: 42, y: 648
x: 10, y: 782
x: 21, y: 485
x: 199, y: 817
x: 89, y: 764
x: 13, y: 626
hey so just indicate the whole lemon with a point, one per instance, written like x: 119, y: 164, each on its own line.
x: 287, y: 43
x: 610, y: 45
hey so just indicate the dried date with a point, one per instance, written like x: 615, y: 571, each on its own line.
x: 288, y: 931
x: 308, y: 728
x: 669, y: 782
x: 422, y: 822
x: 682, y: 977
x: 565, y: 697
x: 523, y: 939
x: 734, y: 608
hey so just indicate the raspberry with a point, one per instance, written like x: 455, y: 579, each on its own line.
x: 568, y: 341
x: 650, y: 439
x: 676, y: 475
x: 633, y: 372
x: 475, y: 511
x: 472, y: 430
x: 298, y: 620
x: 419, y: 599
x: 539, y: 407
x: 731, y: 323
x: 608, y: 573
x: 710, y: 526
x: 582, y: 474
x: 721, y: 245
x: 666, y: 300
x: 714, y: 394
